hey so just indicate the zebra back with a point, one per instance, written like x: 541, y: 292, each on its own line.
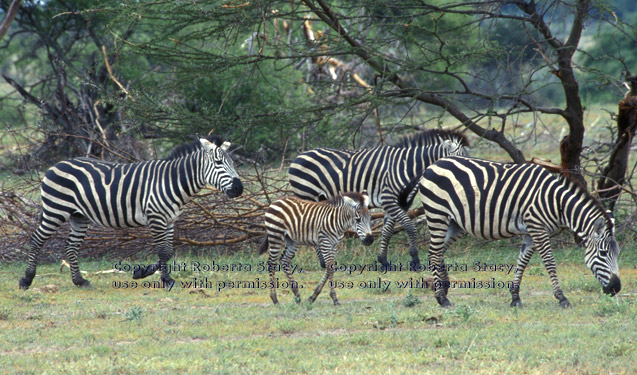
x: 322, y: 173
x: 457, y: 142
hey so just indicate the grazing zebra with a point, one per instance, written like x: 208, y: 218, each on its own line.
x: 492, y: 200
x: 153, y: 193
x: 291, y: 222
x: 389, y: 174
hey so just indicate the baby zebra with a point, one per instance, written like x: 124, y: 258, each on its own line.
x: 291, y: 222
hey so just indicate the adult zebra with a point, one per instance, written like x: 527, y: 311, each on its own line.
x: 493, y: 200
x: 291, y: 222
x: 153, y: 193
x: 389, y: 174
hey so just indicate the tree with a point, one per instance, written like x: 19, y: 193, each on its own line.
x: 279, y: 76
x: 8, y: 18
x: 64, y: 53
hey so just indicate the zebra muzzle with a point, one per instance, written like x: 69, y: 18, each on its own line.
x: 236, y: 189
x: 614, y: 285
x: 368, y: 239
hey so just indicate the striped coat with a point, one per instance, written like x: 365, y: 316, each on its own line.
x: 493, y: 200
x: 291, y: 222
x: 152, y: 193
x: 388, y: 174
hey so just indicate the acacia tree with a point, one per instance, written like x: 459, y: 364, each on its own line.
x: 280, y: 76
x: 366, y: 55
x: 554, y: 46
x: 57, y: 59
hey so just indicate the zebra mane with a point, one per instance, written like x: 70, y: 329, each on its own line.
x: 192, y: 146
x: 337, y: 200
x: 580, y: 190
x: 432, y: 137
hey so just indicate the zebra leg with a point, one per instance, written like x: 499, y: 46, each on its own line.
x: 394, y: 213
x: 328, y: 254
x: 163, y: 240
x: 330, y: 275
x: 387, y: 233
x: 79, y: 226
x: 543, y: 246
x: 320, y: 256
x: 410, y: 228
x: 273, y: 258
x: 165, y: 255
x: 442, y: 235
x: 526, y: 252
x: 286, y: 261
x: 44, y: 231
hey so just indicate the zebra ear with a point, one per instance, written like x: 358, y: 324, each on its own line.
x: 599, y: 226
x: 349, y: 201
x: 225, y: 146
x: 365, y: 200
x: 206, y: 144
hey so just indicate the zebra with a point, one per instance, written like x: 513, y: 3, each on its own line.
x: 150, y: 193
x: 291, y: 222
x: 389, y: 174
x: 492, y: 200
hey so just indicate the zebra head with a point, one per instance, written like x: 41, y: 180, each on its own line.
x: 602, y: 253
x: 362, y: 217
x: 455, y: 146
x: 219, y: 169
x: 453, y: 142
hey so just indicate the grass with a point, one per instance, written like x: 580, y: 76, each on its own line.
x: 217, y: 329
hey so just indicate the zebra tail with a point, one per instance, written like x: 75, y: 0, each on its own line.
x: 405, y: 198
x: 264, y: 245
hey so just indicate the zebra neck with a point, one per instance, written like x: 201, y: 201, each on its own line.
x: 416, y: 160
x: 578, y: 212
x: 420, y: 159
x: 188, y: 175
x: 343, y: 216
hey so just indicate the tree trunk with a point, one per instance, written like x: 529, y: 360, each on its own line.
x: 614, y: 175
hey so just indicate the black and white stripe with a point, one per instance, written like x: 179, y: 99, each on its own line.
x: 291, y: 222
x: 389, y: 174
x: 151, y: 193
x: 493, y: 200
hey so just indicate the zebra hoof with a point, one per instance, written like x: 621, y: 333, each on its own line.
x: 565, y: 304
x: 311, y: 299
x: 383, y: 261
x: 143, y: 272
x: 516, y: 303
x: 443, y: 301
x: 168, y: 282
x: 25, y: 283
x: 336, y: 302
x: 83, y: 283
x: 297, y: 299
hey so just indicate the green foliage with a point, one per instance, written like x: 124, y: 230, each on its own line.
x: 410, y: 300
x: 4, y: 313
x: 134, y: 314
x: 609, y: 306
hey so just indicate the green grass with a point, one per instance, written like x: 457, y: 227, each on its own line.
x: 108, y: 330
